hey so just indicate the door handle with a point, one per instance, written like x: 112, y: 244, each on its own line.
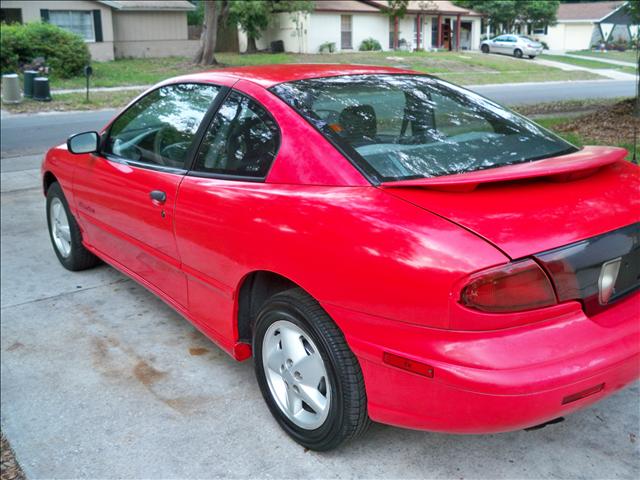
x: 158, y: 196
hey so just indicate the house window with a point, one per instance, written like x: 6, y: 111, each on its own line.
x: 10, y: 15
x: 79, y: 22
x: 345, y: 32
x: 539, y: 30
x: 392, y: 31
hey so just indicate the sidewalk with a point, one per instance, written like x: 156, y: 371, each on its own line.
x: 595, y: 59
x: 605, y: 72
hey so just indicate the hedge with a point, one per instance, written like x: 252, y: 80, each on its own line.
x: 65, y: 53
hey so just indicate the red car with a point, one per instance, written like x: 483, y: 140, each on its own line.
x: 387, y: 246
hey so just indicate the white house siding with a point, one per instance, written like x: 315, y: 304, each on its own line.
x: 577, y: 36
x: 99, y: 50
x: 305, y: 33
x: 568, y: 36
x: 323, y: 27
x: 151, y: 34
x: 370, y: 25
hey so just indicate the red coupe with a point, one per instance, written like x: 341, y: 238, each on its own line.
x: 386, y: 245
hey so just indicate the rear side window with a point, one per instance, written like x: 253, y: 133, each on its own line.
x: 401, y: 127
x: 242, y: 140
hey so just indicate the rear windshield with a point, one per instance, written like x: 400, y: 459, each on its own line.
x: 400, y: 127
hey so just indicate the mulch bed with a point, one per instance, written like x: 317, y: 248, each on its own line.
x: 609, y: 125
x: 9, y: 468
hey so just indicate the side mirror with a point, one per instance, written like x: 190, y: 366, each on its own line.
x: 86, y: 142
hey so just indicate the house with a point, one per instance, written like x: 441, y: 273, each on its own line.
x: 114, y: 29
x: 583, y: 25
x: 426, y: 25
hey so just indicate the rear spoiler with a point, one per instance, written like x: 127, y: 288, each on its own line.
x: 562, y: 169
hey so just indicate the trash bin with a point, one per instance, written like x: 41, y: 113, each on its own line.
x: 29, y: 75
x: 11, y: 88
x: 277, y: 46
x: 41, y: 89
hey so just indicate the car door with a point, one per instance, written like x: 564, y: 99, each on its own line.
x: 125, y: 195
x: 217, y: 204
x: 499, y: 44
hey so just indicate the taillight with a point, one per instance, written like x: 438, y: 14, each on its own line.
x: 514, y: 287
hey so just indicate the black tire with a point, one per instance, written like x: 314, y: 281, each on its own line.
x: 517, y: 53
x: 532, y: 57
x: 485, y: 48
x: 347, y: 417
x: 78, y: 258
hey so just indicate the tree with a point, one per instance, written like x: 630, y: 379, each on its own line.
x: 396, y: 9
x: 254, y: 16
x: 205, y: 55
x: 633, y: 8
x: 196, y: 17
x: 508, y: 13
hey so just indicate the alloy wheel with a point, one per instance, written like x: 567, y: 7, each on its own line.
x: 296, y: 374
x: 60, y: 230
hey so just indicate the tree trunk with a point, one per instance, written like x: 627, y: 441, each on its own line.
x: 251, y: 45
x: 205, y: 55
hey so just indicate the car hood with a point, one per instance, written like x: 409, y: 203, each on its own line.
x: 532, y: 207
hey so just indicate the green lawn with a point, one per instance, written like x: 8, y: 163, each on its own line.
x: 627, y: 56
x: 74, y: 101
x: 463, y: 68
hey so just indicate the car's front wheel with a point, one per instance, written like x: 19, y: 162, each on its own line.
x: 485, y: 48
x: 65, y: 234
x: 309, y: 377
x: 517, y: 53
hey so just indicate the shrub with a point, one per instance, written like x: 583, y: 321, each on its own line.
x: 64, y: 52
x: 370, y: 44
x: 327, y: 46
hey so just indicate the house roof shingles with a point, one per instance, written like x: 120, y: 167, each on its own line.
x: 586, y: 11
x: 430, y: 6
x: 149, y: 5
x: 376, y: 6
x: 344, y: 6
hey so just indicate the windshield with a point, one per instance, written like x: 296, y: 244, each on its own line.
x: 400, y: 127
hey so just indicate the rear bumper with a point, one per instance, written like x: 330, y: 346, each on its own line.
x: 532, y: 51
x: 487, y: 382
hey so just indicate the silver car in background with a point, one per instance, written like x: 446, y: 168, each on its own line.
x: 516, y: 45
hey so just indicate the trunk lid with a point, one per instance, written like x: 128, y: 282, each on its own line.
x: 537, y: 206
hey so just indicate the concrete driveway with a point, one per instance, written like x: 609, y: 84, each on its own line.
x: 100, y: 379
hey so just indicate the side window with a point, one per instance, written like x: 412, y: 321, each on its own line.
x: 160, y: 127
x: 242, y: 140
x: 452, y: 118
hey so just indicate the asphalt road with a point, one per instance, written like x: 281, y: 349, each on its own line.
x: 24, y: 135
x: 101, y: 379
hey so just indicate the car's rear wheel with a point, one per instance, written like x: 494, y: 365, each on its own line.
x: 485, y: 48
x: 65, y: 234
x: 517, y: 53
x: 310, y: 379
x: 532, y: 57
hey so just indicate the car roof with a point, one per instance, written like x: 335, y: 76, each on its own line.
x: 269, y: 75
